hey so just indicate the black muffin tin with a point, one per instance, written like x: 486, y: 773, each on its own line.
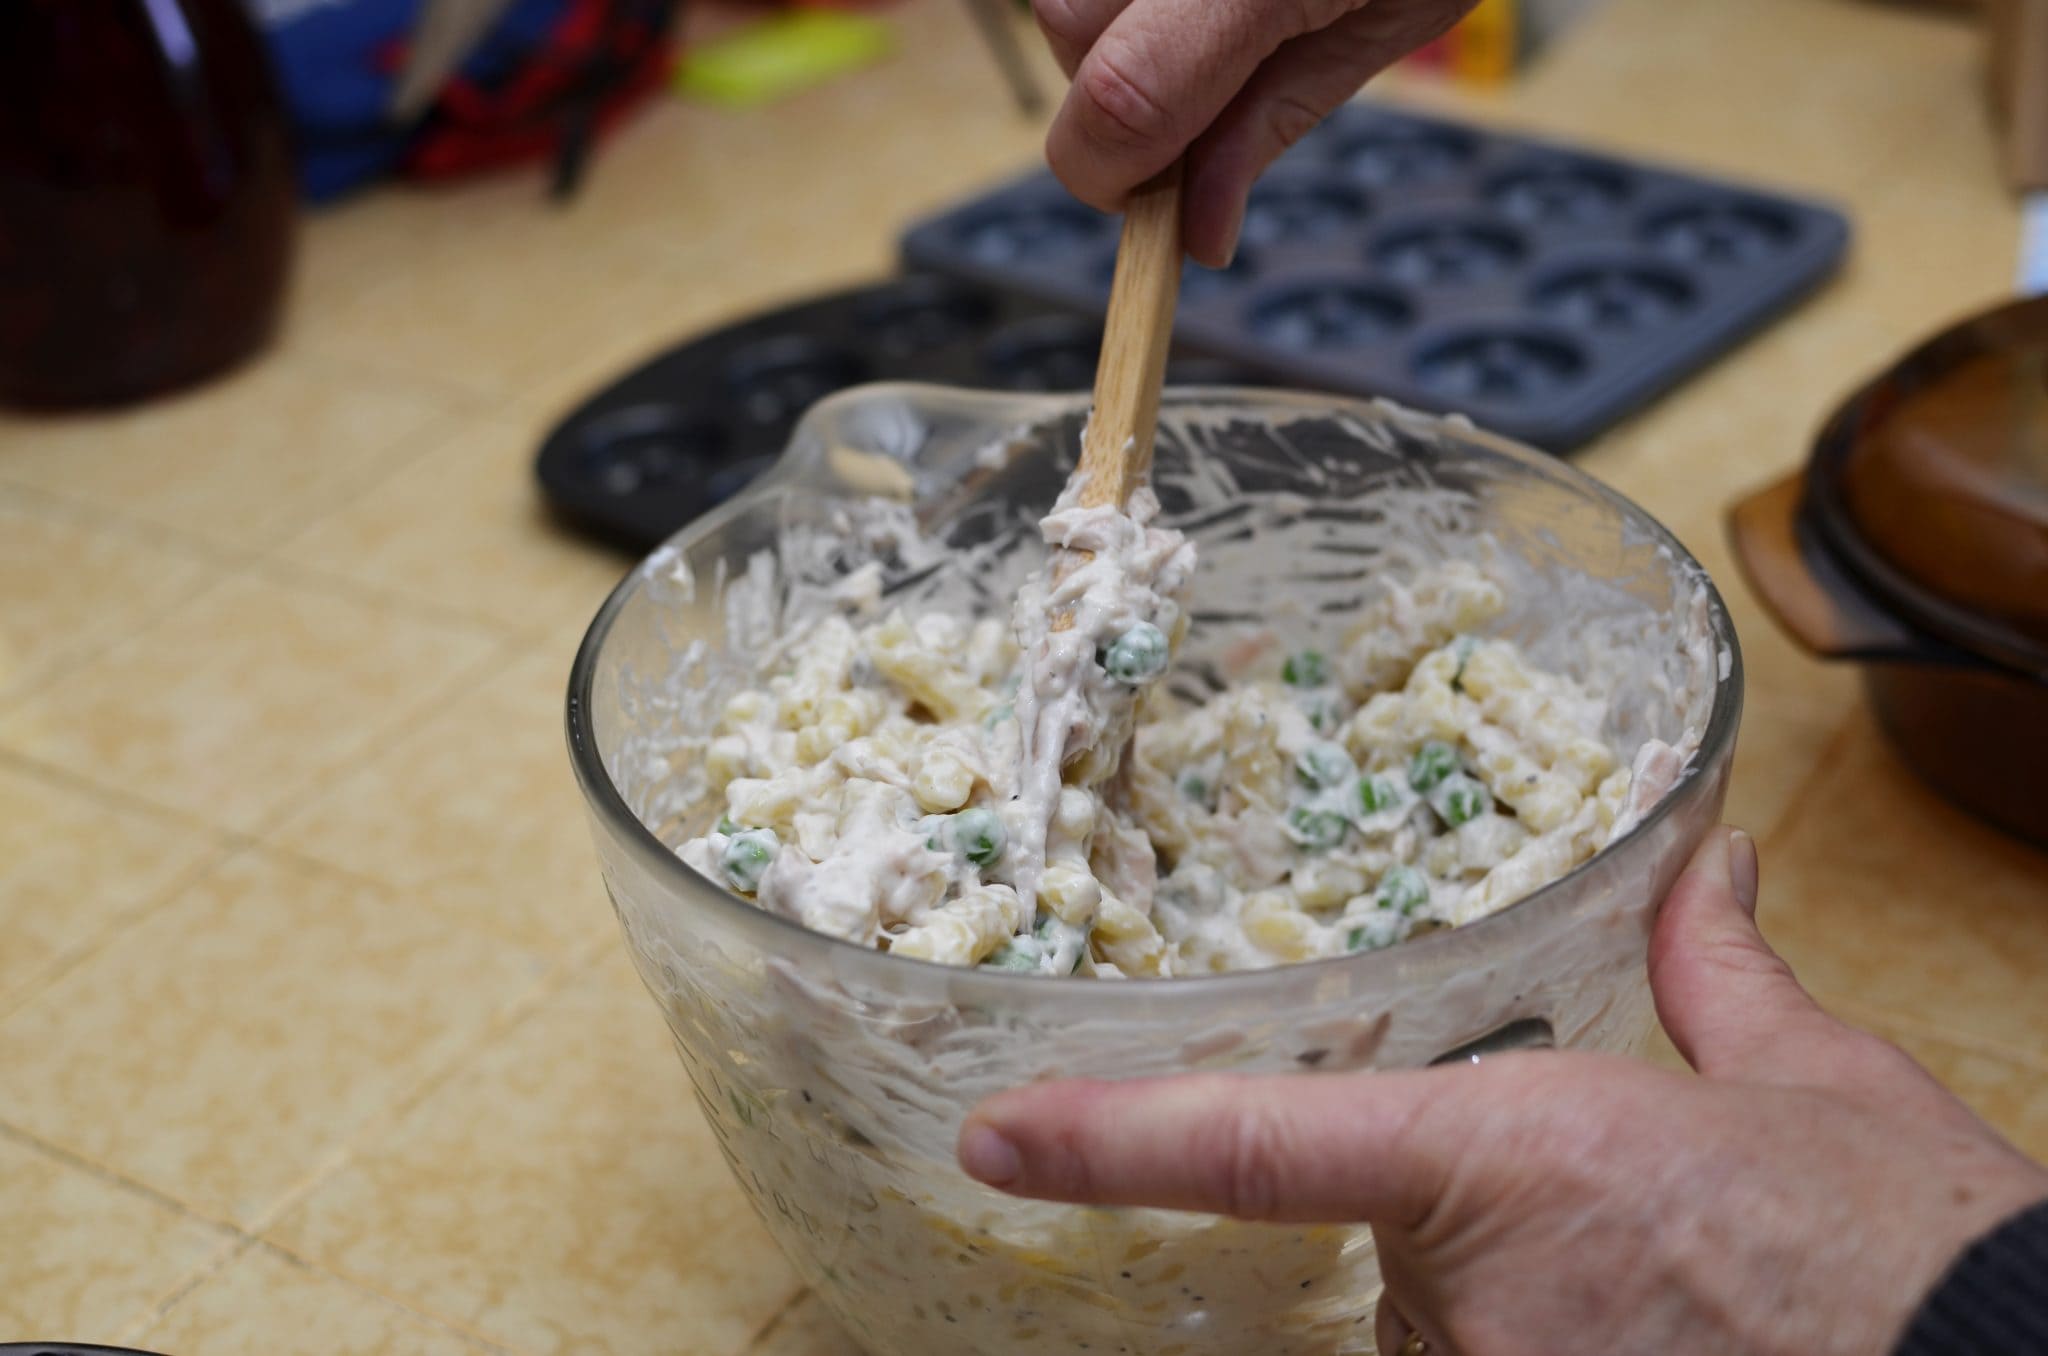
x: 1543, y: 290
x: 687, y: 430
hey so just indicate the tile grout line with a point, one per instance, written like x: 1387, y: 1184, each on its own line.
x: 504, y: 647
x: 111, y: 1177
x: 176, y: 1292
x: 93, y: 652
x: 160, y: 536
x: 450, y: 423
x: 233, y: 843
x: 306, y: 861
x: 469, y: 400
x: 516, y: 1012
x: 225, y: 566
x: 499, y: 654
x: 232, y: 846
x: 239, y: 1239
x: 28, y: 765
x: 275, y: 569
x: 426, y: 898
x: 461, y: 1330
x: 267, y: 561
x: 71, y: 959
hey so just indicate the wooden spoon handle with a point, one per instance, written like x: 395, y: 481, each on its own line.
x: 1116, y: 447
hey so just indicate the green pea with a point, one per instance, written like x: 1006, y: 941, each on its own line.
x: 1325, y: 713
x: 1020, y: 956
x: 1316, y: 830
x: 979, y: 835
x: 747, y: 856
x: 1377, y: 793
x: 1464, y: 648
x: 1138, y: 655
x: 1433, y: 762
x: 1369, y: 939
x: 1374, y: 932
x: 1403, y: 889
x: 1324, y: 764
x: 1045, y: 938
x: 1305, y: 668
x: 726, y: 826
x: 1462, y: 799
x: 1195, y: 787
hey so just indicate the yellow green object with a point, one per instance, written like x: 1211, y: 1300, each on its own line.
x: 1485, y: 46
x: 781, y: 56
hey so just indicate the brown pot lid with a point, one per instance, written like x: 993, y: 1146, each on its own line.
x: 1932, y: 484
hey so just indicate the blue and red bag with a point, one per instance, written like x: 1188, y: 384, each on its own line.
x: 547, y: 77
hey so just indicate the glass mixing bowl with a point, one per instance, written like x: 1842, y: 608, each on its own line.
x: 836, y: 1078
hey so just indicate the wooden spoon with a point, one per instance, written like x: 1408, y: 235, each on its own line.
x: 1116, y: 445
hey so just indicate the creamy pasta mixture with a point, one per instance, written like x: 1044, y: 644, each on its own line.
x: 1030, y: 796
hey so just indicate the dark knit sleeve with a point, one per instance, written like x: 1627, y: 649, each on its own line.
x: 1994, y: 1300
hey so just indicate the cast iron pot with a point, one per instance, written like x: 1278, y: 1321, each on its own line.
x: 1915, y: 542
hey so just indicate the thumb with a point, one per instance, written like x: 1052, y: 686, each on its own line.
x: 1728, y: 1002
x: 1291, y: 1147
x: 1296, y: 88
x: 1293, y: 90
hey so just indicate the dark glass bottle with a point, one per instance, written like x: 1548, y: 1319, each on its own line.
x: 146, y: 197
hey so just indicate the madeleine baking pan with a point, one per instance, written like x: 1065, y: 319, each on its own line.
x: 1916, y: 542
x: 1543, y: 290
x: 687, y: 429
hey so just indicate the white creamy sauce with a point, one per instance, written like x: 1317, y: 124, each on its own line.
x: 1110, y: 572
x: 1033, y: 798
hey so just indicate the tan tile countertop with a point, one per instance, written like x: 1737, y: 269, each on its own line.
x: 314, y: 1033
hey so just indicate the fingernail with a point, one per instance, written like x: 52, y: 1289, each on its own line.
x: 1230, y: 245
x: 1742, y: 870
x: 988, y: 1157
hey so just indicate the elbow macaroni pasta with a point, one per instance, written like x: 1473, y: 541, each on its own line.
x: 1422, y: 777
